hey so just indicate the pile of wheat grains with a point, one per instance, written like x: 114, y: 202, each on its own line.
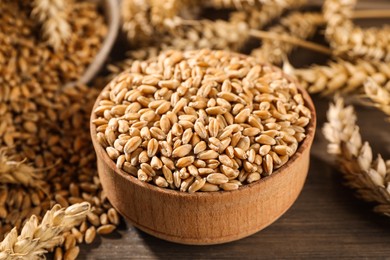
x: 201, y: 120
x: 46, y: 155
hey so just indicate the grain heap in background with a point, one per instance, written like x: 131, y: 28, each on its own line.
x: 200, y: 120
x: 46, y: 152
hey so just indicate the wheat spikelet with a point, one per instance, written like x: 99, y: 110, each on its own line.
x: 209, y: 34
x: 369, y: 177
x: 36, y: 239
x: 351, y: 40
x: 13, y: 172
x: 297, y: 24
x: 342, y: 76
x: 259, y: 16
x: 379, y: 96
x: 163, y: 13
x: 52, y: 14
x: 135, y: 16
x: 143, y: 19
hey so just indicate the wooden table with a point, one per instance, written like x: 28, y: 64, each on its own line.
x: 326, y: 221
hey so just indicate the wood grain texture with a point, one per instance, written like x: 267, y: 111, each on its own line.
x: 205, y: 218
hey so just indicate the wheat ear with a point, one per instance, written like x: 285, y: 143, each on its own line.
x: 262, y: 14
x: 342, y: 76
x: 36, y: 239
x: 143, y: 19
x: 136, y: 22
x: 52, y: 15
x: 297, y: 24
x: 370, y: 178
x: 350, y: 40
x: 14, y: 172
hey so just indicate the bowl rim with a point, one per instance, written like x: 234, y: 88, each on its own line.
x: 101, y: 154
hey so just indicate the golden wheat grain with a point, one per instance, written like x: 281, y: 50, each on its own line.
x: 378, y: 95
x: 367, y: 175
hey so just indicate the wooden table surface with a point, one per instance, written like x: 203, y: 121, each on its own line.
x: 326, y: 221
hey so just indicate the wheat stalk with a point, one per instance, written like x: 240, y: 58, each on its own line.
x: 52, y: 14
x: 36, y: 239
x: 351, y: 40
x: 297, y: 24
x: 369, y: 177
x: 342, y: 76
x: 14, y: 172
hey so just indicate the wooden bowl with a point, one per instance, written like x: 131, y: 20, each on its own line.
x: 205, y: 218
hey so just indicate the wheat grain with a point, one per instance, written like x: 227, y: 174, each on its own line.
x: 367, y: 176
x: 35, y: 239
x: 379, y: 96
x: 106, y: 229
